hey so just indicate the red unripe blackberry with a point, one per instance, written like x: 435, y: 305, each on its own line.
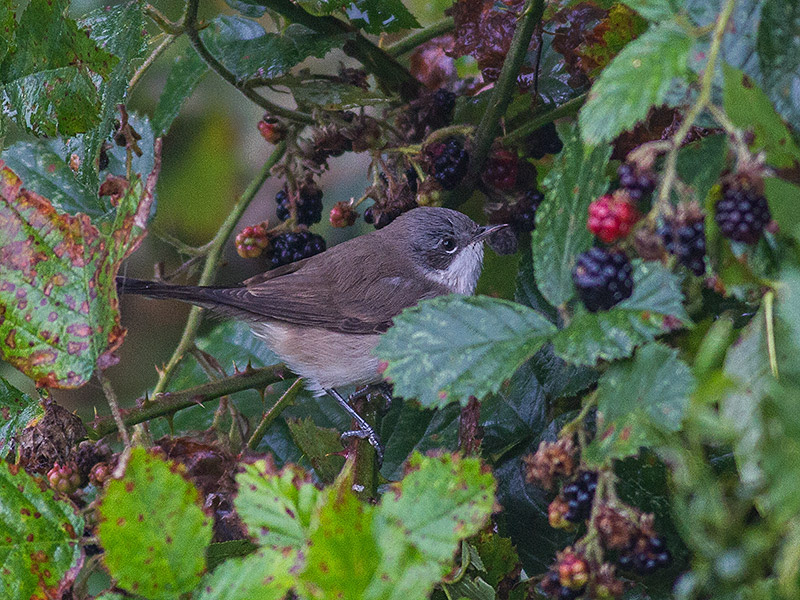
x: 637, y: 182
x: 611, y: 217
x: 343, y: 215
x: 573, y: 570
x: 603, y: 278
x: 64, y: 479
x: 252, y: 241
x: 449, y: 162
x: 272, y: 130
x: 293, y: 246
x: 742, y: 213
x: 501, y: 170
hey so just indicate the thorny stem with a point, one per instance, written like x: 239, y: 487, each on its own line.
x: 193, y: 31
x: 164, y: 24
x: 165, y: 43
x: 571, y: 107
x: 408, y: 43
x: 212, y: 263
x: 111, y: 396
x: 703, y: 99
x: 269, y: 417
x: 163, y: 404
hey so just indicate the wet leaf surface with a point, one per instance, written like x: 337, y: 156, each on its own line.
x: 17, y: 411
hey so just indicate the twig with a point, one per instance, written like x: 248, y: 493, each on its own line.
x: 193, y: 31
x: 571, y: 107
x: 769, y: 317
x: 212, y: 263
x: 269, y: 417
x: 165, y: 43
x: 160, y: 19
x: 111, y: 396
x: 160, y: 405
x: 418, y: 38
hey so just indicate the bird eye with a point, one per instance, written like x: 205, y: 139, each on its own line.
x: 449, y: 245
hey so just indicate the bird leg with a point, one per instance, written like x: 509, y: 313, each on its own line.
x: 364, y: 431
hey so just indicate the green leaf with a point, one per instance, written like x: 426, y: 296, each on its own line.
x: 249, y: 8
x: 187, y: 71
x: 636, y: 80
x: 654, y: 308
x: 276, y: 506
x: 779, y: 55
x: 527, y: 291
x: 218, y: 552
x: 453, y: 347
x: 119, y: 31
x: 267, y: 574
x: 782, y: 197
x: 331, y: 95
x: 649, y: 392
x: 39, y: 534
x: 321, y: 445
x: 748, y: 107
x: 154, y: 509
x: 17, y: 411
x: 378, y: 16
x: 701, y: 163
x: 577, y: 177
x: 655, y: 10
x: 59, y: 317
x: 47, y: 174
x: 246, y: 50
x: 8, y: 28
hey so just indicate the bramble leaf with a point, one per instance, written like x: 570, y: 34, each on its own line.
x: 266, y: 574
x: 38, y: 537
x: 654, y: 308
x: 655, y: 10
x: 154, y: 509
x: 17, y: 410
x: 187, y: 71
x: 636, y: 80
x: 648, y: 393
x: 58, y: 301
x: 378, y: 16
x: 450, y: 348
x: 576, y: 179
x: 779, y: 55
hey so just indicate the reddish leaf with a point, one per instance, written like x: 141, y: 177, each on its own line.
x: 59, y: 315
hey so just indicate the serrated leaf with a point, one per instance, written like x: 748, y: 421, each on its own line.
x: 701, y: 163
x: 267, y: 574
x: 648, y: 393
x: 779, y: 55
x: 655, y: 10
x: 322, y: 447
x: 749, y: 107
x: 249, y: 8
x: 782, y: 198
x: 8, y: 28
x: 219, y: 552
x: 378, y: 16
x: 527, y: 291
x: 576, y: 179
x: 332, y: 95
x: 154, y: 509
x: 453, y: 347
x: 17, y: 411
x: 276, y: 507
x: 38, y: 537
x: 246, y: 50
x: 59, y: 317
x: 187, y: 71
x: 654, y: 308
x: 636, y: 80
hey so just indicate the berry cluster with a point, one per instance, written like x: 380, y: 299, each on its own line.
x: 425, y: 114
x: 637, y: 182
x: 543, y: 141
x: 684, y: 236
x: 501, y: 170
x: 603, y: 278
x: 647, y: 554
x: 293, y: 246
x: 523, y: 219
x: 65, y: 479
x: 742, y: 213
x: 252, y: 241
x: 552, y: 460
x: 308, y: 205
x: 567, y: 579
x: 611, y: 217
x: 579, y: 495
x: 448, y: 162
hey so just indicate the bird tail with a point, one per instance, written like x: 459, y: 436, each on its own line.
x: 207, y: 297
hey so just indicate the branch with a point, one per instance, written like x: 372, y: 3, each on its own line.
x: 193, y: 31
x: 212, y: 263
x: 569, y: 108
x: 386, y: 69
x: 408, y: 43
x: 269, y: 417
x: 163, y: 404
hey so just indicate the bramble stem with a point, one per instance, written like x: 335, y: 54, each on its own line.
x: 269, y: 417
x: 569, y: 108
x: 111, y: 396
x: 408, y: 43
x: 165, y: 43
x: 211, y: 265
x: 163, y: 404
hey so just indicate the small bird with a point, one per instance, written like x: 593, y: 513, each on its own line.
x: 323, y: 315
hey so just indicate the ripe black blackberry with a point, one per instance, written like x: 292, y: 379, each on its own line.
x: 684, y: 235
x: 293, y: 246
x: 449, y: 163
x: 308, y: 207
x: 579, y: 494
x: 603, y: 278
x: 523, y: 218
x: 637, y: 182
x: 283, y: 211
x: 742, y: 213
x: 543, y: 141
x: 646, y: 555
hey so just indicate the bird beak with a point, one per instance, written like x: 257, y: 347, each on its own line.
x: 484, y: 232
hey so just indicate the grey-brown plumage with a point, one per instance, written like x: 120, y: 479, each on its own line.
x: 323, y: 315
